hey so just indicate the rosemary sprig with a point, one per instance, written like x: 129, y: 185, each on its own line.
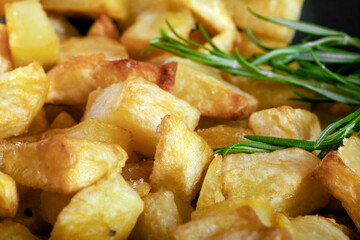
x: 318, y: 77
x: 324, y: 69
x: 329, y: 139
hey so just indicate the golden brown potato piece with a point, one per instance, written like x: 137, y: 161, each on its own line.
x: 62, y: 164
x: 14, y: 230
x: 106, y: 210
x: 160, y: 213
x: 259, y: 204
x: 79, y: 46
x: 283, y: 177
x: 71, y: 81
x: 9, y: 198
x: 212, y: 14
x: 211, y: 189
x: 110, y: 72
x: 63, y: 120
x: 223, y: 135
x: 138, y: 105
x: 6, y: 62
x: 104, y: 27
x: 285, y: 122
x: 95, y: 130
x: 31, y: 36
x: 51, y: 204
x: 311, y: 227
x: 93, y: 8
x: 289, y: 9
x: 339, y: 174
x: 181, y: 159
x: 63, y: 28
x: 22, y: 95
x: 205, y: 89
x: 270, y: 94
x: 241, y: 223
x: 147, y: 26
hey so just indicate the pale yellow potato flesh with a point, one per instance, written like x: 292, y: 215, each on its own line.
x: 241, y: 223
x: 205, y: 89
x: 147, y: 26
x: 285, y: 122
x: 9, y: 199
x: 283, y: 177
x: 106, y: 210
x: 62, y: 164
x: 80, y: 46
x: 160, y: 213
x: 310, y: 227
x: 138, y: 106
x: 22, y: 95
x: 181, y: 159
x: 31, y: 35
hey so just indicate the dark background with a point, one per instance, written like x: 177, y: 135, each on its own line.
x: 342, y: 15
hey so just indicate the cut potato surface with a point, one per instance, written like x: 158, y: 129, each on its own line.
x: 22, y: 95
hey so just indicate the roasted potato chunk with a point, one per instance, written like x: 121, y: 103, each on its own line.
x: 138, y: 105
x: 310, y: 227
x: 22, y: 95
x: 212, y: 14
x: 181, y: 159
x: 283, y: 177
x: 106, y: 210
x: 79, y: 46
x: 211, y: 189
x: 110, y: 72
x: 160, y: 213
x: 104, y: 27
x: 71, y: 81
x: 241, y: 223
x: 285, y: 122
x: 31, y: 35
x: 95, y: 130
x: 259, y: 204
x: 6, y: 62
x: 205, y: 89
x: 93, y: 8
x: 9, y: 199
x: 62, y: 164
x: 223, y: 135
x: 339, y: 174
x: 289, y: 9
x: 13, y: 230
x: 147, y: 26
x: 270, y: 94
